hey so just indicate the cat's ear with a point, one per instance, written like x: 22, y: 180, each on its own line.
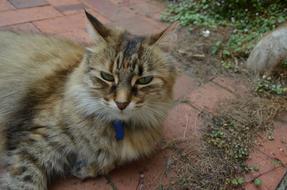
x: 165, y: 39
x: 96, y: 29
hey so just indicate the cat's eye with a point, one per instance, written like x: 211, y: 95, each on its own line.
x: 144, y: 80
x: 107, y: 76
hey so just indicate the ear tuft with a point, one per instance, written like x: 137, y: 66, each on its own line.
x: 165, y: 37
x: 96, y: 29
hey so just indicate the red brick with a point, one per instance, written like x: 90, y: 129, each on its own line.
x: 183, y: 86
x: 276, y: 148
x: 182, y: 122
x: 121, y: 2
x: 145, y: 27
x: 150, y: 9
x: 62, y: 24
x: 99, y: 16
x: 5, y: 5
x: 27, y: 27
x: 236, y: 86
x: 76, y: 184
x: 129, y: 2
x: 109, y: 10
x: 28, y: 3
x: 63, y: 2
x: 209, y: 96
x: 71, y: 8
x: 13, y: 17
x: 262, y: 162
x: 153, y: 170
x: 251, y: 186
x: 125, y: 18
x: 266, y: 157
x: 76, y: 35
x: 273, y: 178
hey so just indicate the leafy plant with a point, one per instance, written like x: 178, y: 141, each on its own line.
x: 257, y: 182
x: 248, y: 18
x: 238, y: 181
x: 268, y: 85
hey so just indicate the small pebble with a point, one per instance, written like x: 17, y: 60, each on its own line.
x: 206, y: 33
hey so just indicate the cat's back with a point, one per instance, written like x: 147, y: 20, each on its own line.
x: 36, y: 51
x: 26, y: 59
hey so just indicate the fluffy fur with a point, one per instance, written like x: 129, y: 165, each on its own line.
x: 269, y: 52
x: 57, y: 108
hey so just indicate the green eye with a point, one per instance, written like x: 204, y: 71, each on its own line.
x: 144, y: 80
x: 107, y: 77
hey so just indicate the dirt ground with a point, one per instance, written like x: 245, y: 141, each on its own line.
x: 210, y: 164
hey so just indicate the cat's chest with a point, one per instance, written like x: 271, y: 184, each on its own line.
x: 134, y: 144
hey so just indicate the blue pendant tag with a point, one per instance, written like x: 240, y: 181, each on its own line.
x: 118, y: 126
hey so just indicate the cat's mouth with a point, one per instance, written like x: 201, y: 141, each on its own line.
x: 122, y: 108
x: 115, y: 113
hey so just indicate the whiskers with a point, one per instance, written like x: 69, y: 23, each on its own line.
x: 147, y: 114
x: 150, y: 114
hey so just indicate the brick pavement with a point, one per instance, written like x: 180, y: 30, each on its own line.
x: 65, y: 18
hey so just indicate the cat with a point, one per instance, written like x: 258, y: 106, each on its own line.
x: 270, y: 51
x: 67, y: 109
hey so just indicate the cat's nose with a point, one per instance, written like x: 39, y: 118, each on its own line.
x: 122, y: 105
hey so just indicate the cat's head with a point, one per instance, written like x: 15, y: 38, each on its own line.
x: 127, y: 75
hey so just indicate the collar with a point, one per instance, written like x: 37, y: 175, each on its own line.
x: 119, y: 128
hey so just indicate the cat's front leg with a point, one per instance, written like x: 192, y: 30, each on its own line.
x: 23, y: 173
x: 100, y: 165
x: 82, y: 169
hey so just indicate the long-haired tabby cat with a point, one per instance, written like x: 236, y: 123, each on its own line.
x: 66, y: 109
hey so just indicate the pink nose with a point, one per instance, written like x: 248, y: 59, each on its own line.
x: 122, y: 105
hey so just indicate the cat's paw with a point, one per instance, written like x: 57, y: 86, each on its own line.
x: 83, y: 170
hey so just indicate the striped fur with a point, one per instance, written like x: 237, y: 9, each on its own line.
x: 57, y: 110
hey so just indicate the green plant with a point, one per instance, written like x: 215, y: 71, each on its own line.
x: 236, y: 182
x: 268, y: 85
x: 188, y: 12
x: 257, y: 182
x: 227, y: 64
x: 216, y: 47
x: 227, y: 137
x: 253, y: 168
x: 248, y: 18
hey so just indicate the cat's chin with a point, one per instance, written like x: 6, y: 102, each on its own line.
x: 125, y: 114
x: 122, y: 116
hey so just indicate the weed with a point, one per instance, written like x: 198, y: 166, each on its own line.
x: 216, y: 47
x: 227, y: 64
x: 277, y: 162
x: 257, y: 182
x: 249, y: 20
x: 228, y: 137
x: 268, y: 85
x: 236, y: 181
